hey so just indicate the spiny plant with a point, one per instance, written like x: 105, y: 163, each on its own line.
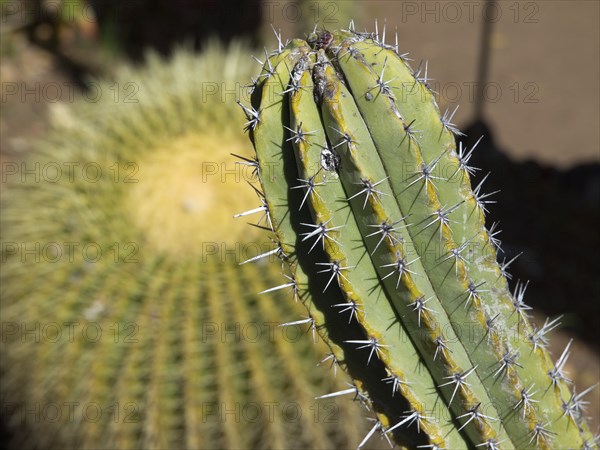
x: 127, y: 321
x: 384, y: 241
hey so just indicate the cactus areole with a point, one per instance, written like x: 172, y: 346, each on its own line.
x: 383, y: 239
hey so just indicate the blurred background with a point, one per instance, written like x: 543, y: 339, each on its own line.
x: 524, y: 73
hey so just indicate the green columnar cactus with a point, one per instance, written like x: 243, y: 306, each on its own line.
x: 371, y: 206
x: 161, y: 340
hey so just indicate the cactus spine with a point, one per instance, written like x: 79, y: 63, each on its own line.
x: 371, y: 204
x: 188, y: 355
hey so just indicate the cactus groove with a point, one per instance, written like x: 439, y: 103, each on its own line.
x: 370, y: 203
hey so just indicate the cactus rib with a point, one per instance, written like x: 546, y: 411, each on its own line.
x: 326, y: 204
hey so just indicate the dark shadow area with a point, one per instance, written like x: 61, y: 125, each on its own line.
x: 159, y: 24
x: 44, y: 30
x: 132, y: 27
x: 553, y: 217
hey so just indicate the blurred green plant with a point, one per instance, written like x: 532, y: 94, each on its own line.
x: 126, y: 319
